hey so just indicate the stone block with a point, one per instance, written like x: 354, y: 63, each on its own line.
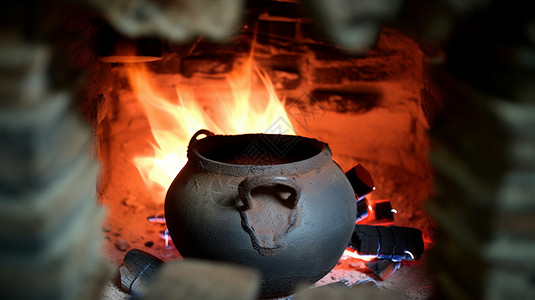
x: 344, y: 74
x: 352, y: 102
x: 207, y: 64
x: 469, y: 274
x: 35, y: 160
x: 33, y: 219
x: 172, y: 20
x: 52, y: 270
x: 203, y: 280
x: 491, y: 243
x: 342, y: 293
x: 354, y: 25
x: 285, y: 30
x: 459, y: 180
x: 23, y: 72
x: 490, y: 134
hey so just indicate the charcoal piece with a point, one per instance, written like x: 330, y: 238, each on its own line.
x: 392, y: 242
x: 137, y: 271
x: 365, y: 240
x: 360, y: 180
x: 399, y: 252
x: 383, y: 267
x: 413, y: 242
x: 386, y: 240
x: 362, y: 209
x: 383, y: 211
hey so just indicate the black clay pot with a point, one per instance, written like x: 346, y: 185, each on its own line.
x: 277, y: 203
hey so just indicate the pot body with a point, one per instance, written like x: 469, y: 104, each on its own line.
x: 273, y: 202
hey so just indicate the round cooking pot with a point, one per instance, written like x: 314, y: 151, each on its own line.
x: 277, y: 203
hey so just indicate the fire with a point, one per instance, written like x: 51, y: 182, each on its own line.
x: 252, y: 107
x: 351, y: 253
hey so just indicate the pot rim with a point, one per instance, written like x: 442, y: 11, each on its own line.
x: 323, y: 156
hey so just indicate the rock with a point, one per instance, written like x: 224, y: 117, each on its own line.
x: 122, y: 244
x: 106, y: 227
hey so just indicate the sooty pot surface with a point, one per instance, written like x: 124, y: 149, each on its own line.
x: 277, y: 203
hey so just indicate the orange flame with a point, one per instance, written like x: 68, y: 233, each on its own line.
x: 351, y: 253
x: 252, y: 107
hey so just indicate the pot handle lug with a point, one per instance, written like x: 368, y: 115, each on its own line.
x: 252, y: 182
x: 200, y: 132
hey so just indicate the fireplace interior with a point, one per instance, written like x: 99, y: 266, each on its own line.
x: 405, y: 88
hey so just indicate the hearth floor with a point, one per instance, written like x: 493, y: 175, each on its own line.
x: 412, y: 281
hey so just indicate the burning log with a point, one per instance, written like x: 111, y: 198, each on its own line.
x: 393, y: 242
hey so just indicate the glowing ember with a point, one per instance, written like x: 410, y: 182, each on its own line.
x: 350, y: 253
x: 252, y: 107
